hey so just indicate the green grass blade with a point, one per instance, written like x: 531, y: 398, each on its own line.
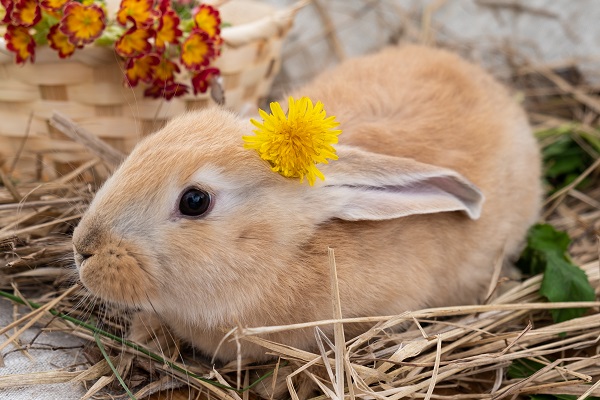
x: 111, y: 365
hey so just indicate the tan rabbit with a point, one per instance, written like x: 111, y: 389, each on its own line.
x: 199, y: 230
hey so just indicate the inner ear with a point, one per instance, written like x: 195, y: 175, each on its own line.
x: 369, y: 186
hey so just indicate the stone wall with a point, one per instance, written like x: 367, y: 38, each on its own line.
x: 500, y: 34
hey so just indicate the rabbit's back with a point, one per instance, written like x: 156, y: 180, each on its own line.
x: 432, y: 106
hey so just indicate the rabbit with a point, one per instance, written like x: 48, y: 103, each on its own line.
x: 438, y: 177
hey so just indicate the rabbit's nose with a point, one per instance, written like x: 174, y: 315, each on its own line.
x: 80, y: 256
x: 88, y: 238
x: 84, y: 256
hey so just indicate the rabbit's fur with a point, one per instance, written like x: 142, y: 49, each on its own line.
x: 426, y: 136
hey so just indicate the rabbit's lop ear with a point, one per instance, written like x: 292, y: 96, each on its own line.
x: 369, y: 186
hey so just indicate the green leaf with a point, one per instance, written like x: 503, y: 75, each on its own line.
x: 541, y: 239
x: 563, y: 281
x: 42, y: 28
x: 564, y: 159
x: 565, y: 165
x: 183, y: 11
x: 523, y: 368
x: 110, y: 35
x: 545, y: 238
x: 558, y: 397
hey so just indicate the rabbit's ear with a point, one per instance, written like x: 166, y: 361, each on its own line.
x: 369, y: 186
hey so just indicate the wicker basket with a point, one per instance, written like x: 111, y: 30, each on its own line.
x: 89, y: 89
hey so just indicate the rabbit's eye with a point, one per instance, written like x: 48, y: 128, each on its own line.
x: 194, y: 202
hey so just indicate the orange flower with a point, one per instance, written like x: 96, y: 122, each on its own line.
x: 140, y: 11
x: 20, y: 42
x: 134, y: 42
x: 207, y: 19
x: 168, y: 29
x: 197, y: 50
x: 82, y: 24
x: 26, y: 13
x: 201, y: 81
x: 167, y: 90
x: 53, y: 5
x: 60, y: 42
x: 165, y: 71
x: 141, y: 69
x: 218, y: 43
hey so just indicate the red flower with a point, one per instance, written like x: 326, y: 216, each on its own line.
x: 141, y: 69
x: 142, y: 12
x: 53, y: 5
x: 201, y: 81
x: 8, y: 7
x: 20, y: 42
x: 165, y: 5
x: 82, y: 24
x: 197, y: 50
x: 60, y: 42
x: 165, y: 71
x: 26, y: 13
x: 207, y: 19
x: 134, y: 42
x: 168, y: 90
x: 168, y: 29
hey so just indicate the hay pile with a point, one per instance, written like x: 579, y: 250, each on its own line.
x: 505, y: 348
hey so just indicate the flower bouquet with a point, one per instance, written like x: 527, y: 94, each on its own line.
x: 122, y: 69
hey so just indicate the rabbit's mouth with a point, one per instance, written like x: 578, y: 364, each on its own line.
x: 117, y: 275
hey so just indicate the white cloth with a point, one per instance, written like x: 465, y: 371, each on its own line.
x: 41, y: 360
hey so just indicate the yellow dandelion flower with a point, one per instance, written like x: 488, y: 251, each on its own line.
x: 294, y: 143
